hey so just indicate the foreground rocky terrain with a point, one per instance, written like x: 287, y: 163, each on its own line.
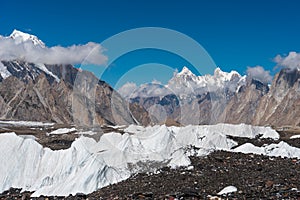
x: 254, y: 176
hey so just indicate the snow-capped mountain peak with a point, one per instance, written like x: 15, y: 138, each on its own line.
x: 227, y: 76
x: 218, y: 73
x: 220, y: 79
x: 186, y: 82
x: 21, y: 37
x: 185, y: 71
x: 218, y: 70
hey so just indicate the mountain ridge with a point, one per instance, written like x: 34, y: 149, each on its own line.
x: 225, y: 97
x: 37, y: 95
x: 76, y: 96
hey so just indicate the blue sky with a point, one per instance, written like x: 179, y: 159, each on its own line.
x: 235, y: 33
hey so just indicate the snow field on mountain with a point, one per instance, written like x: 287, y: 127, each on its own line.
x: 89, y: 165
x: 3, y: 71
x: 186, y: 83
x: 26, y: 123
x: 62, y: 131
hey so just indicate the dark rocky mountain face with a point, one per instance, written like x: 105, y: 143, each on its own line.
x: 258, y: 104
x: 37, y: 101
x: 66, y: 72
x: 25, y: 71
x: 264, y: 88
x: 281, y: 106
x: 288, y: 77
x: 62, y: 94
x: 243, y: 105
x: 196, y: 109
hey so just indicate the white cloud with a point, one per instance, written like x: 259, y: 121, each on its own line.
x: 153, y: 89
x: 260, y: 74
x: 154, y: 81
x: 127, y: 89
x: 90, y: 53
x: 291, y: 61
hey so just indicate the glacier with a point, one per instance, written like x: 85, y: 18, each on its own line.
x: 89, y: 165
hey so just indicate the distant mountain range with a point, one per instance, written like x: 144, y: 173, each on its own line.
x: 64, y: 94
x: 221, y: 97
x: 185, y: 83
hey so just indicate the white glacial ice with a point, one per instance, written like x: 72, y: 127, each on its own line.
x: 89, y: 165
x: 281, y: 149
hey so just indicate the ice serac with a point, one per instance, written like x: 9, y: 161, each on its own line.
x: 39, y: 169
x: 281, y: 149
x: 89, y: 165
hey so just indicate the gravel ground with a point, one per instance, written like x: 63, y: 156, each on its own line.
x: 255, y: 176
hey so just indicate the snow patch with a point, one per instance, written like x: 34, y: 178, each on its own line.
x: 26, y: 123
x: 295, y: 137
x: 3, y: 71
x: 44, y: 68
x: 62, y: 131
